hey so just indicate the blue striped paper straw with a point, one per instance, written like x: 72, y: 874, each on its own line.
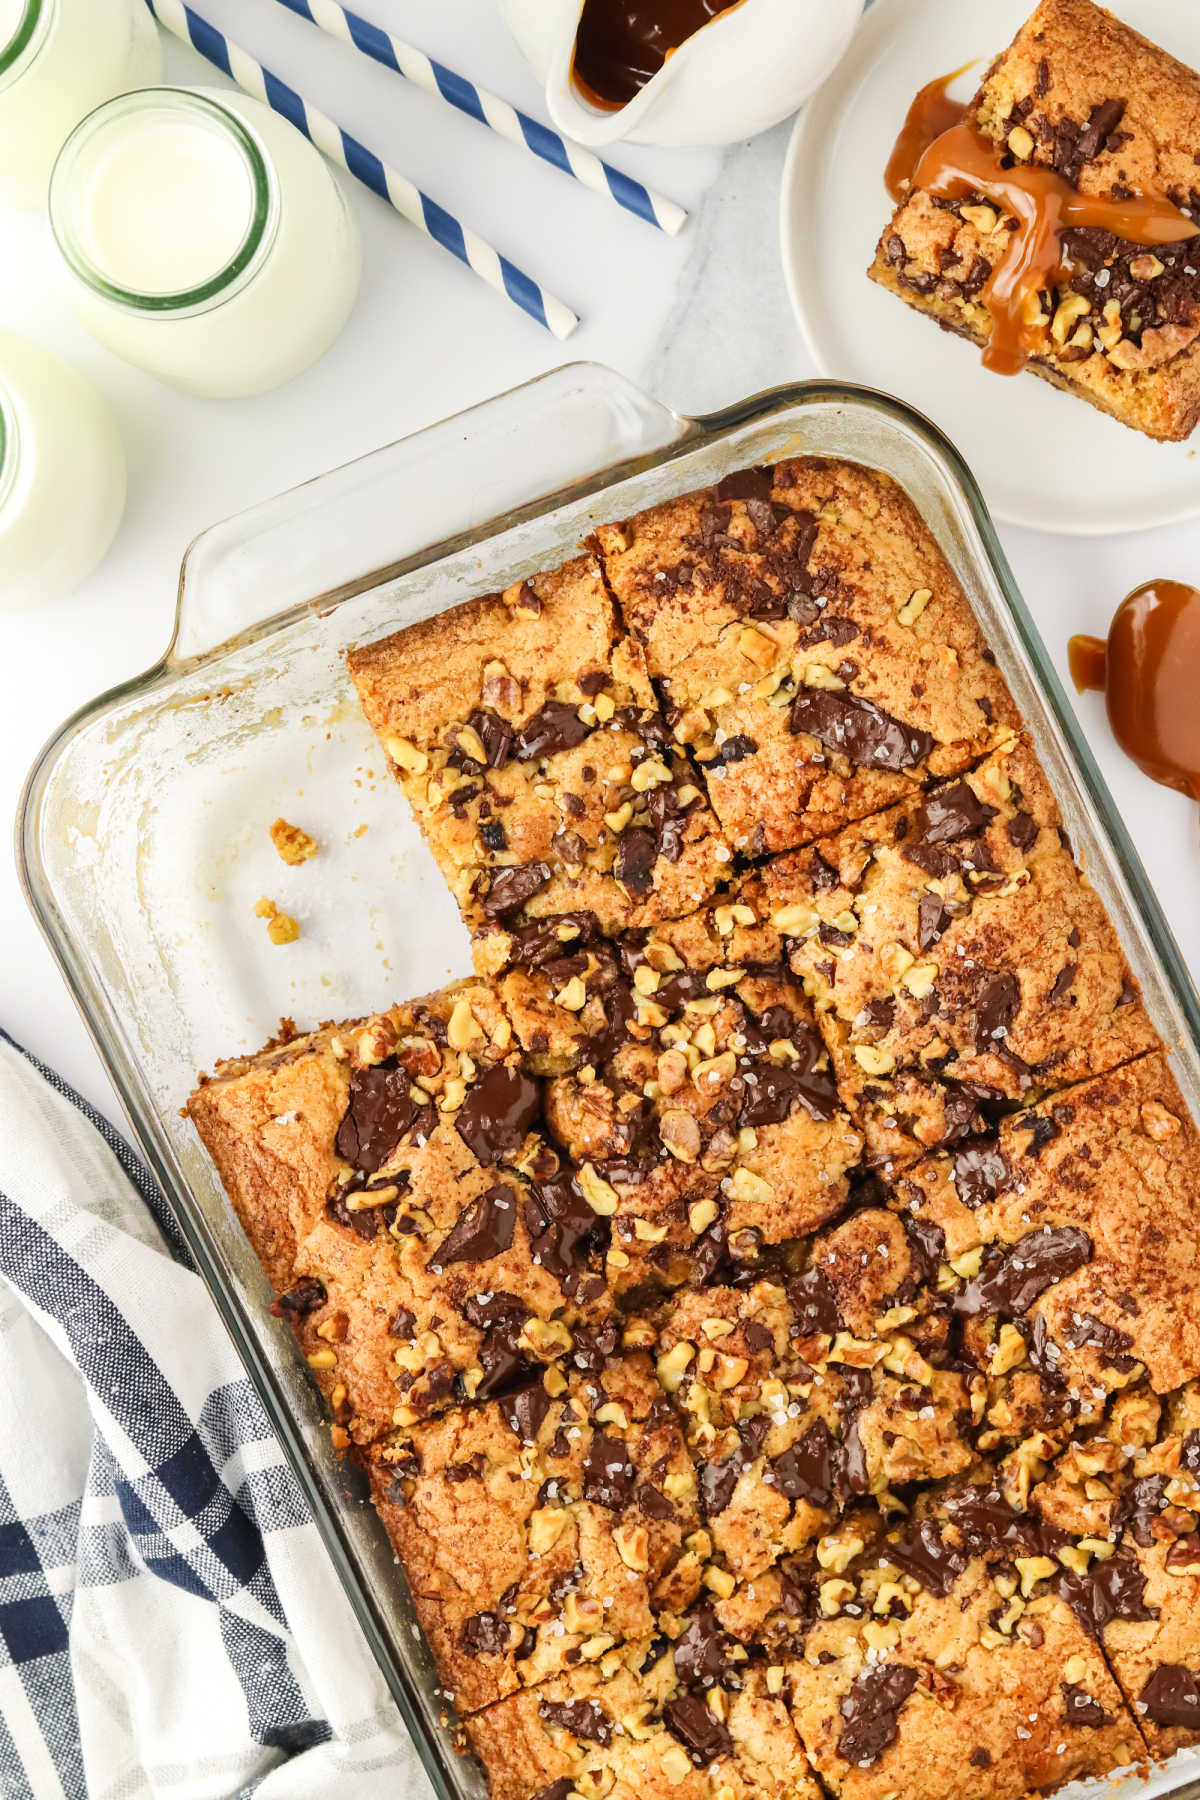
x: 340, y: 147
x: 341, y: 22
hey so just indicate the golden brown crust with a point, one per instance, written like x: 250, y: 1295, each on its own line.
x: 825, y: 583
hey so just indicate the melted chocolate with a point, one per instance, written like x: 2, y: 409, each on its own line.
x: 980, y: 1171
x: 806, y: 1471
x: 701, y: 1651
x: 1171, y: 1696
x: 512, y: 888
x: 921, y: 1551
x: 1082, y: 1708
x: 380, y: 1113
x: 557, y: 726
x: 524, y: 1412
x: 622, y: 44
x: 304, y: 1298
x: 485, y: 1229
x: 607, y: 1473
x: 871, y: 1711
x: 1010, y: 1282
x: 498, y: 1113
x: 952, y: 813
x: 858, y: 729
x: 582, y: 1718
x: 698, y: 1729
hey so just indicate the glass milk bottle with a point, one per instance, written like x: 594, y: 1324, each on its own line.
x: 62, y: 475
x: 58, y: 60
x: 204, y: 239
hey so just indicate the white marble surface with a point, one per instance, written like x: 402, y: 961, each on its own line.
x: 700, y: 322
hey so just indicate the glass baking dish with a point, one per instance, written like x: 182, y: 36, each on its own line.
x: 143, y: 842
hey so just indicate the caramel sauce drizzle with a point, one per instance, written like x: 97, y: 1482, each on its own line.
x: 1149, y: 674
x: 931, y: 113
x: 939, y: 151
x: 622, y: 44
x: 962, y: 163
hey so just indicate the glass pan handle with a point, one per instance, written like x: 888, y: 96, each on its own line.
x: 343, y: 532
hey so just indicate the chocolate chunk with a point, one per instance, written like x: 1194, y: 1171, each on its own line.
x: 872, y: 1710
x: 829, y: 628
x: 1139, y: 1508
x: 592, y: 1346
x: 805, y: 1471
x: 823, y: 875
x: 952, y: 813
x: 1189, y: 1455
x: 582, y: 1718
x: 997, y: 1007
x: 525, y: 1411
x: 403, y: 1325
x: 484, y: 1230
x: 1114, y: 1345
x: 367, y: 1221
x: 869, y: 736
x: 1009, y: 1283
x: 778, y: 1087
x: 1108, y: 1590
x: 987, y: 1524
x: 1171, y: 1696
x: 593, y: 681
x: 935, y: 861
x: 932, y: 920
x: 607, y: 1473
x: 814, y: 1303
x: 484, y: 1634
x: 922, y: 1552
x: 1064, y: 982
x: 745, y: 484
x: 562, y: 1226
x: 701, y: 1652
x: 653, y: 1502
x: 757, y: 1336
x: 1082, y: 1708
x: 636, y: 856
x: 304, y: 1298
x: 511, y: 888
x: 1042, y: 1131
x: 926, y: 1245
x: 493, y: 836
x: 1022, y: 830
x: 734, y: 749
x: 717, y: 1482
x: 558, y: 1790
x: 980, y: 1171
x: 498, y: 1113
x: 555, y: 726
x: 980, y: 1758
x: 494, y: 733
x: 698, y: 1729
x: 380, y: 1113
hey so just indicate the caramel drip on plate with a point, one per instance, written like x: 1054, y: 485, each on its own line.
x: 622, y: 44
x: 931, y: 113
x: 1149, y: 673
x: 962, y: 164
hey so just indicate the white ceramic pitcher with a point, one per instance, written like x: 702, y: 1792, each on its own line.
x: 746, y: 69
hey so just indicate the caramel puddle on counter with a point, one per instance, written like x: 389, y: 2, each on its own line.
x: 622, y: 44
x: 1149, y: 674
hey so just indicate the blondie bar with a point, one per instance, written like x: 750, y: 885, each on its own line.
x: 1084, y: 95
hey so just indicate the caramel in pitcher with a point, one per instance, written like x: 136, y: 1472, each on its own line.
x: 1149, y: 673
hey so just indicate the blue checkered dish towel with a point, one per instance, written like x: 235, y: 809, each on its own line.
x: 170, y: 1625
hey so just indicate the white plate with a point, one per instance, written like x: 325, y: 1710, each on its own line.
x: 1042, y: 458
